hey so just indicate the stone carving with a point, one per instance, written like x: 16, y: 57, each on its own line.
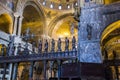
x: 46, y: 46
x: 66, y: 44
x: 59, y: 44
x: 40, y: 47
x: 52, y: 45
x: 73, y: 43
x: 89, y: 32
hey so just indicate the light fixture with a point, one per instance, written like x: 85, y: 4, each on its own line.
x: 68, y: 6
x: 44, y: 2
x: 76, y: 4
x: 60, y: 7
x: 51, y: 5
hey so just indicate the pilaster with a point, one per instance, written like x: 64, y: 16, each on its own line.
x: 90, y: 28
x: 20, y: 25
x: 16, y: 15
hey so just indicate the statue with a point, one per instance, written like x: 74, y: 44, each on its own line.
x: 46, y: 46
x: 59, y: 44
x: 40, y: 47
x: 52, y: 45
x: 19, y: 49
x: 73, y: 43
x: 33, y: 46
x: 72, y: 28
x: 66, y: 44
x: 89, y: 32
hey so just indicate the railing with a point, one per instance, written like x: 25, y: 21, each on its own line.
x: 38, y: 57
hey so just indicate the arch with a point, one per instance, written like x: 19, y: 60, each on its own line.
x: 6, y: 23
x: 38, y: 8
x: 55, y: 21
x: 113, y: 40
x: 109, y: 29
x: 36, y: 19
x: 110, y: 39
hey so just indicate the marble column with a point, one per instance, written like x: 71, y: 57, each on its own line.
x: 15, y: 69
x: 10, y: 71
x: 20, y: 25
x: 16, y: 15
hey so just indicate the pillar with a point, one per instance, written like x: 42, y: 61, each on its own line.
x: 45, y: 65
x: 59, y: 69
x: 16, y: 15
x: 89, y: 34
x: 15, y: 69
x: 10, y: 71
x: 31, y: 71
x: 20, y: 25
x: 4, y: 71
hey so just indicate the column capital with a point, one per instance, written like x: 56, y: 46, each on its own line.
x: 16, y: 14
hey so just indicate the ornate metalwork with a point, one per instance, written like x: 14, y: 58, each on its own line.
x: 37, y: 57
